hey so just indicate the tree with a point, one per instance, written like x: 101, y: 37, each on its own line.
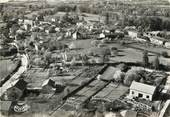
x: 107, y: 18
x: 1, y: 9
x: 14, y: 29
x: 5, y: 17
x: 132, y: 75
x: 123, y: 67
x: 164, y: 54
x: 145, y: 59
x: 105, y: 58
x: 156, y: 63
x: 119, y: 76
x: 84, y: 59
x: 47, y: 57
x: 114, y: 51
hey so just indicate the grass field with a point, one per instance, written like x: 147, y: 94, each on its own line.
x: 125, y: 54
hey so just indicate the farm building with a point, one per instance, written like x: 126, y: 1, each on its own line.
x: 141, y: 90
x: 16, y: 91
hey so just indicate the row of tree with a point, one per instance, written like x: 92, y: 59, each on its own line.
x: 156, y: 62
x: 147, y: 23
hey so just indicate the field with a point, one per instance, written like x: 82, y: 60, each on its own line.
x: 87, y: 16
x: 6, y: 67
x: 133, y: 53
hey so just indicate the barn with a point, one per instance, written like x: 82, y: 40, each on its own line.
x: 140, y: 90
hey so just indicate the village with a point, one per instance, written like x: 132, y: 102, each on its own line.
x: 84, y: 59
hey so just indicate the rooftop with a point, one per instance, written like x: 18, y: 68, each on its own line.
x: 143, y: 87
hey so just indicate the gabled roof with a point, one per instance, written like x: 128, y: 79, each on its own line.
x: 142, y: 87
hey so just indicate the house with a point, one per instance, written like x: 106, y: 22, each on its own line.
x: 48, y: 86
x: 140, y: 39
x: 132, y: 34
x: 140, y: 90
x: 101, y: 36
x: 153, y: 33
x: 6, y: 107
x: 27, y: 22
x: 76, y: 35
x: 157, y: 41
x: 16, y: 91
x: 167, y: 44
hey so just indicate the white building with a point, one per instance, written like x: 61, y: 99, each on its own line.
x: 102, y: 35
x: 141, y: 90
x: 167, y: 44
x: 157, y: 41
x: 74, y: 35
x: 133, y: 34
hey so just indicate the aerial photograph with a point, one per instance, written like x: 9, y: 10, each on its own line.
x: 84, y: 58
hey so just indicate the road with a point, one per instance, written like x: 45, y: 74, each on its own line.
x: 164, y: 109
x: 15, y: 77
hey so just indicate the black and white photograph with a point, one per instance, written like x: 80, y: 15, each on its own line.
x: 84, y: 58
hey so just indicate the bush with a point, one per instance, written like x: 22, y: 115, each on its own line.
x: 122, y: 43
x: 156, y: 63
x: 164, y: 54
x: 119, y: 76
x: 132, y: 75
x: 123, y: 67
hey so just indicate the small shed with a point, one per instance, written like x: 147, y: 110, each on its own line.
x: 16, y: 91
x: 141, y: 90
